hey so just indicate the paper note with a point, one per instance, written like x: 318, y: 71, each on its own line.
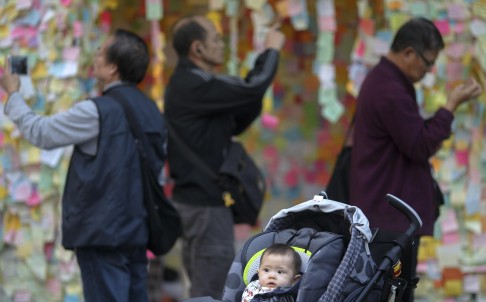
x: 71, y: 53
x: 23, y: 4
x: 216, y: 4
x: 448, y: 255
x: 154, y: 9
x: 418, y: 9
x: 458, y: 11
x: 449, y: 221
x: 473, y: 198
x: 327, y: 23
x: 477, y: 27
x: 442, y: 26
x: 232, y: 8
x: 472, y: 283
x: 453, y: 287
x: 332, y: 111
x: 327, y: 95
x: 269, y: 121
x: 325, y: 8
x: 456, y: 50
x: 255, y: 4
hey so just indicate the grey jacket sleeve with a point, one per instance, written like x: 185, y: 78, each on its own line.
x: 79, y: 125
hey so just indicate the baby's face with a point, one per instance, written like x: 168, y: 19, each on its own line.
x: 276, y: 270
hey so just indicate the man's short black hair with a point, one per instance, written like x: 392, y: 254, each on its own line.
x: 129, y: 53
x: 185, y: 31
x: 419, y: 33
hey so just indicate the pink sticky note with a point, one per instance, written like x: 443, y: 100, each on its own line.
x: 456, y: 50
x: 457, y: 11
x: 66, y: 3
x: 77, y: 29
x: 21, y: 190
x: 23, y: 33
x: 71, y: 53
x: 270, y: 121
x: 443, y: 26
x: 449, y: 223
x: 459, y: 27
x: 327, y: 23
x: 479, y: 241
x: 450, y: 238
x: 462, y: 157
x: 34, y: 199
x: 454, y: 71
x: 360, y: 49
x: 9, y: 237
x: 291, y: 178
x: 54, y: 286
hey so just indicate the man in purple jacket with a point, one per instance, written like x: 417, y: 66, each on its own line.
x: 392, y: 142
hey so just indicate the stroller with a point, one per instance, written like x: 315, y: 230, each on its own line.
x: 339, y: 254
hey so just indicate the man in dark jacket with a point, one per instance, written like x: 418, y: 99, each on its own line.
x: 392, y: 143
x: 206, y: 109
x: 104, y: 218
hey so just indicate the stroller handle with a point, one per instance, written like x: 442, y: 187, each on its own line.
x: 413, y: 217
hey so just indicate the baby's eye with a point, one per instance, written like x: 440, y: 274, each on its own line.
x: 266, y: 270
x: 281, y: 271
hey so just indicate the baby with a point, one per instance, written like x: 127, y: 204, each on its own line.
x: 279, y: 270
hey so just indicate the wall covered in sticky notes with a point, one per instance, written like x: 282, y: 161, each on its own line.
x: 330, y: 47
x: 59, y: 38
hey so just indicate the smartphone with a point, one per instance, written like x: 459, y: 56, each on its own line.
x: 18, y: 64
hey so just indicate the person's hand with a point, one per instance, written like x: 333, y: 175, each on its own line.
x: 463, y: 93
x: 275, y: 38
x: 8, y: 81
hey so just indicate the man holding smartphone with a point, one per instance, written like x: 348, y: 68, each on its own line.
x: 103, y: 214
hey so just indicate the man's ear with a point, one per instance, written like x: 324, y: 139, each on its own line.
x: 196, y: 47
x: 113, y: 69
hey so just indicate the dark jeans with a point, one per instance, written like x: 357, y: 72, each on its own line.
x: 208, y: 247
x: 113, y: 275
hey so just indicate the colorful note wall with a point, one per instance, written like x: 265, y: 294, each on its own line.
x: 452, y: 263
x: 59, y: 38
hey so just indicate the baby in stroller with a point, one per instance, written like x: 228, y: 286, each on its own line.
x: 278, y: 275
x: 337, y: 251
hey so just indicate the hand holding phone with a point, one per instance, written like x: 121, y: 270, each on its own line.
x: 9, y: 81
x: 18, y: 64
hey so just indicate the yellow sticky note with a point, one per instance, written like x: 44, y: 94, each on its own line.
x: 110, y: 4
x: 397, y: 20
x: 39, y: 71
x: 4, y: 31
x: 215, y: 17
x: 479, y: 9
x: 33, y: 156
x: 282, y: 8
x: 9, y: 12
x: 3, y: 191
x: 453, y: 288
x: 255, y: 4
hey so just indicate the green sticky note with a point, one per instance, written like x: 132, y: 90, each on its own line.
x: 153, y: 10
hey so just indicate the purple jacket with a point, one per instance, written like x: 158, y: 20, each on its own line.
x: 391, y: 150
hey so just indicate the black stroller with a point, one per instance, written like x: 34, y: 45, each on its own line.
x: 339, y: 252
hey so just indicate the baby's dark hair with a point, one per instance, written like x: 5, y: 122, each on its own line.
x: 284, y: 249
